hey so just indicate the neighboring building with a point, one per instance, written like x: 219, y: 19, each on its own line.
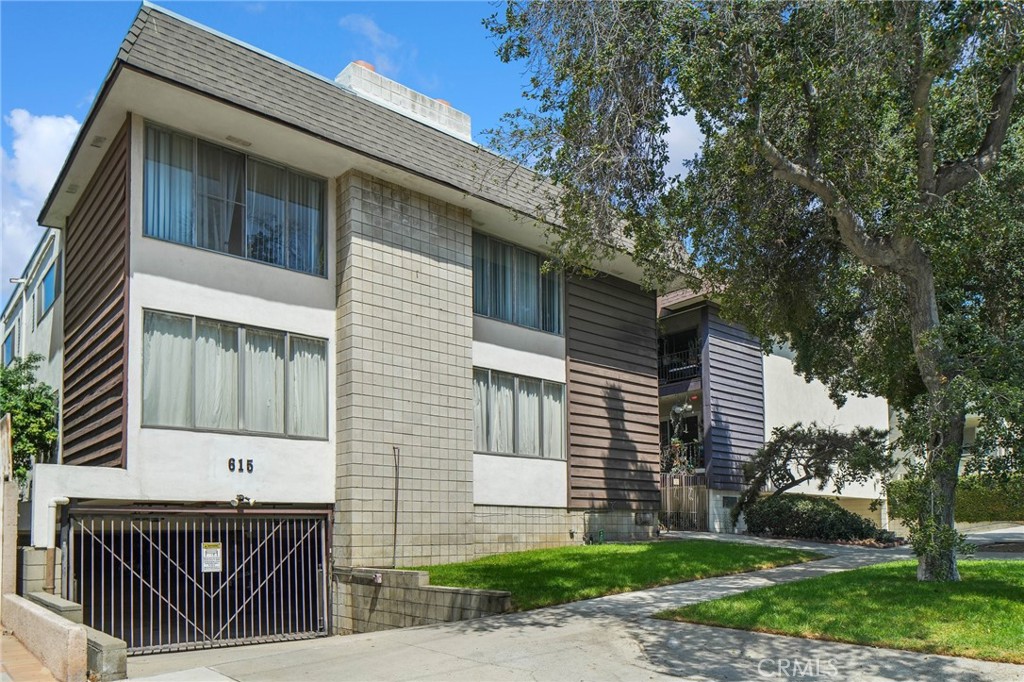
x: 721, y: 397
x: 307, y: 329
x: 33, y: 319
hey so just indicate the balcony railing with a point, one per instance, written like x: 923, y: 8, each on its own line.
x: 681, y: 366
x: 682, y: 458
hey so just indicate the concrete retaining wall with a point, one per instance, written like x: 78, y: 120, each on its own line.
x: 404, y: 599
x: 59, y: 644
x: 62, y: 607
x: 502, y: 529
x: 106, y: 656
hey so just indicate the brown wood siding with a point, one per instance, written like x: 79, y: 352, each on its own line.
x: 733, y: 399
x: 612, y: 350
x: 95, y: 314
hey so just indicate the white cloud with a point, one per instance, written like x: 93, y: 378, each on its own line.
x: 384, y: 48
x: 387, y: 52
x: 365, y: 26
x: 684, y: 140
x: 38, y: 149
x: 40, y: 145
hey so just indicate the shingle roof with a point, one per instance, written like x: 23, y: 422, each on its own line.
x: 167, y: 46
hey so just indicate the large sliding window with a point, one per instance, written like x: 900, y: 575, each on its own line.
x: 211, y: 197
x: 515, y: 415
x: 508, y: 285
x: 206, y: 374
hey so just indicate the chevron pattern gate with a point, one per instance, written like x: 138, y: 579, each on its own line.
x: 173, y: 581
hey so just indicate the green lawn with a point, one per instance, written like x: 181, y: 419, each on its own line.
x: 544, y: 577
x: 885, y: 606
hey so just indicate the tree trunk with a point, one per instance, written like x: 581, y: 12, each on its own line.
x: 938, y: 562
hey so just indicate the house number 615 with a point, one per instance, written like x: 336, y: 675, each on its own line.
x: 242, y: 466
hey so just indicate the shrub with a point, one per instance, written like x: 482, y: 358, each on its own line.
x: 977, y: 498
x: 808, y: 517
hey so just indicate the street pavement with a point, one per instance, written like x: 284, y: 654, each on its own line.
x: 610, y: 638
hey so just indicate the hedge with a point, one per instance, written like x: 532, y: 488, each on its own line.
x: 977, y: 499
x: 809, y: 517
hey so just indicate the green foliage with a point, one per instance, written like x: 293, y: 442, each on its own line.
x: 857, y: 194
x: 33, y: 409
x: 884, y: 606
x: 978, y: 499
x: 543, y: 577
x: 808, y: 517
x: 800, y: 454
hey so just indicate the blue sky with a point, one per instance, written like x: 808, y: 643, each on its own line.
x: 54, y: 56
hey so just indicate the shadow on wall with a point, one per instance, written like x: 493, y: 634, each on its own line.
x: 627, y: 480
x: 730, y: 450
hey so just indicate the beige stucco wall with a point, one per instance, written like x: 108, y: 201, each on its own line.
x: 789, y: 398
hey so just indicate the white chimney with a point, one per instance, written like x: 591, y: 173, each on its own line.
x: 361, y: 78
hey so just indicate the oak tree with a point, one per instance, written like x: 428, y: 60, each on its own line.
x: 858, y: 194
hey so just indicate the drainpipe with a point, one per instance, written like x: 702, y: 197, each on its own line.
x: 49, y: 571
x: 395, y: 450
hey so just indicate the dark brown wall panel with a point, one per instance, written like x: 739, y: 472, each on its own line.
x: 734, y: 400
x: 96, y: 314
x: 612, y: 349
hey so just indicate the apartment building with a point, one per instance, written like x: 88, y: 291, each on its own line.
x: 307, y: 328
x: 33, y: 319
x: 720, y: 398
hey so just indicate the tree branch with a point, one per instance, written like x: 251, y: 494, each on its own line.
x: 813, y: 156
x: 900, y: 255
x: 872, y: 251
x: 925, y: 136
x: 793, y: 482
x: 928, y: 67
x: 957, y: 175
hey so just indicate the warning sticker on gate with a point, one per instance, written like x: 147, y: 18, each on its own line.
x: 212, y: 557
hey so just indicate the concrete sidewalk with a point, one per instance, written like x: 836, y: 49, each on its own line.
x: 610, y: 638
x: 17, y: 664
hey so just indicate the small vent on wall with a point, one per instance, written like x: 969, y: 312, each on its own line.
x: 71, y: 189
x: 239, y: 141
x: 97, y: 141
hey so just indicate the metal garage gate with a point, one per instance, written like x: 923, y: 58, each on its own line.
x: 171, y: 581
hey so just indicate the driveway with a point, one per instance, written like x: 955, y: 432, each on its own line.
x: 610, y: 638
x: 1014, y: 534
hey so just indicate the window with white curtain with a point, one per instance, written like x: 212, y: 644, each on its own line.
x: 307, y: 386
x: 211, y: 197
x: 509, y: 285
x: 516, y: 415
x: 220, y: 215
x: 216, y: 375
x: 207, y: 374
x: 167, y: 370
